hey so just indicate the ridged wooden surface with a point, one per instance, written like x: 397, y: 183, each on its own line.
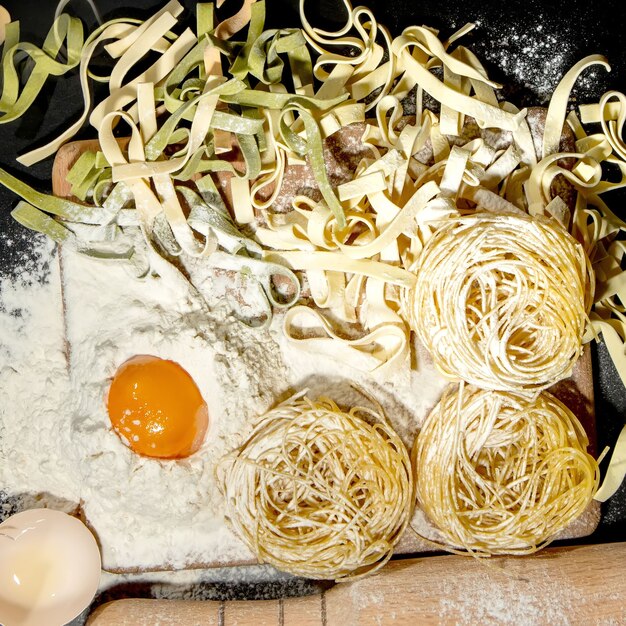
x: 574, y: 585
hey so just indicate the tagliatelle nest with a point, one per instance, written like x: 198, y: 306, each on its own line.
x: 319, y: 492
x: 500, y: 473
x: 502, y: 301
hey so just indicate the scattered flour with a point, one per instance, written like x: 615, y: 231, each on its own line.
x: 406, y: 397
x: 536, y: 63
x: 110, y: 317
x: 58, y: 357
x: 55, y: 439
x: 473, y: 596
x: 35, y: 392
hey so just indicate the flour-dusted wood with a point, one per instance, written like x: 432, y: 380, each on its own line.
x: 570, y: 585
x: 576, y: 392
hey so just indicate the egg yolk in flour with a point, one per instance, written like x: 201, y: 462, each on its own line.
x: 156, y: 408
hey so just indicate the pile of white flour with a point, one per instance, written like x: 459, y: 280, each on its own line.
x: 36, y: 459
x: 56, y: 444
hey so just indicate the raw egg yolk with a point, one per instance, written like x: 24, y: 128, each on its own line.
x: 156, y: 408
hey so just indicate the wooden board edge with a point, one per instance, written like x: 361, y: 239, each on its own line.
x: 581, y: 388
x: 573, y: 584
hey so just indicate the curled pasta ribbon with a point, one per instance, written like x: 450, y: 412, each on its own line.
x: 273, y: 169
x: 613, y: 128
x: 263, y: 272
x: 557, y: 108
x: 232, y: 25
x: 502, y: 472
x: 616, y: 471
x: 319, y: 492
x: 402, y: 221
x: 14, y: 103
x: 388, y: 113
x: 586, y: 175
x: 148, y: 205
x: 327, y: 289
x: 384, y: 349
x: 490, y: 115
x: 428, y: 42
x: 501, y: 301
x: 363, y: 71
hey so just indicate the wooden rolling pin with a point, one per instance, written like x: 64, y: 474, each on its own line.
x: 568, y: 585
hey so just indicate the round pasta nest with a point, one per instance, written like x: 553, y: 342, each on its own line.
x: 500, y: 473
x: 502, y: 301
x: 319, y: 492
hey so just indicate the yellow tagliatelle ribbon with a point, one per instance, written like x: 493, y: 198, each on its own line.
x: 140, y: 174
x: 558, y: 103
x: 208, y: 103
x: 5, y: 18
x: 384, y: 349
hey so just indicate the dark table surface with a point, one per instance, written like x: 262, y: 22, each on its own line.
x: 527, y: 45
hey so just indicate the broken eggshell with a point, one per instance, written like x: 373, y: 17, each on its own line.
x: 49, y: 568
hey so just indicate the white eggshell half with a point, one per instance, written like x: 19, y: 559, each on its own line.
x: 49, y: 568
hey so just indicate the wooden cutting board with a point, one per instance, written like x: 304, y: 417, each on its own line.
x: 574, y: 585
x: 576, y: 392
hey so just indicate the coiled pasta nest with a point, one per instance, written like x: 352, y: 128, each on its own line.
x: 319, y: 492
x: 502, y: 301
x: 501, y: 473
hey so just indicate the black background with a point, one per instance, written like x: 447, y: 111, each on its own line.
x: 579, y: 28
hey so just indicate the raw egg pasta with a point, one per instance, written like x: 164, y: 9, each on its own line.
x: 500, y: 472
x: 319, y: 492
x: 502, y: 301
